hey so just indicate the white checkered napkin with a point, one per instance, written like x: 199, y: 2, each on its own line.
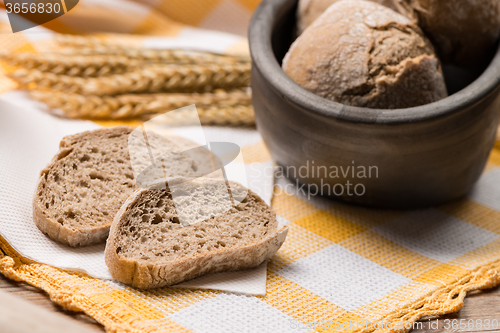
x: 343, y: 265
x: 339, y: 264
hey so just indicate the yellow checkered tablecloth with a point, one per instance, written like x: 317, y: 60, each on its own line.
x: 342, y: 268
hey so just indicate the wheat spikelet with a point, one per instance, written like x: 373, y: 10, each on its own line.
x: 158, y: 56
x: 84, y: 66
x: 90, y: 45
x: 94, y: 64
x: 150, y: 79
x: 221, y: 108
x: 239, y: 115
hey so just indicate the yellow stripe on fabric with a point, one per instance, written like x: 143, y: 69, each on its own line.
x: 348, y: 322
x: 279, y: 261
x: 329, y: 226
x: 74, y: 282
x: 298, y: 302
x: 255, y: 153
x: 389, y: 254
x: 249, y: 4
x: 442, y: 275
x: 190, y: 12
x: 495, y: 155
x: 170, y: 300
x: 26, y: 48
x: 474, y: 213
x: 58, y: 26
x: 291, y: 207
x: 156, y: 24
x: 366, y: 217
x: 129, y: 304
x: 299, y: 244
x: 132, y: 304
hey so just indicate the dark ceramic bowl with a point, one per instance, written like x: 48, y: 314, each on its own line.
x: 418, y: 157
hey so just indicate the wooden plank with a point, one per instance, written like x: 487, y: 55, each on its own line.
x: 40, y: 299
x: 18, y: 315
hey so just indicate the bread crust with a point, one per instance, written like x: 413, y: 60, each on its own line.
x: 143, y: 275
x: 67, y: 236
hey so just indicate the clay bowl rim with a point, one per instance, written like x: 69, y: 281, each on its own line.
x: 260, y: 35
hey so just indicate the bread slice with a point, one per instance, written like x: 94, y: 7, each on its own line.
x: 91, y: 176
x: 149, y: 247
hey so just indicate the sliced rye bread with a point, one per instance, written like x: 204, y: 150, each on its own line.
x: 88, y: 180
x: 148, y: 247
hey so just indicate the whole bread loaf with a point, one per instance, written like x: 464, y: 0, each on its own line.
x: 363, y: 54
x: 462, y: 31
x: 150, y: 246
x: 91, y: 176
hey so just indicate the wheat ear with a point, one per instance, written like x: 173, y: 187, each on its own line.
x: 173, y: 56
x: 84, y: 66
x: 221, y: 108
x: 150, y: 79
x: 94, y: 64
x: 94, y: 45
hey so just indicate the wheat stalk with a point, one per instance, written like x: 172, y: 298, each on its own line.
x: 239, y: 115
x: 157, y: 56
x: 90, y: 45
x: 150, y: 79
x: 231, y: 108
x: 84, y: 66
x: 100, y: 64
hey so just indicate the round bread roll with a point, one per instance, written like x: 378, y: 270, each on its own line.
x: 309, y: 10
x: 363, y: 54
x: 462, y: 31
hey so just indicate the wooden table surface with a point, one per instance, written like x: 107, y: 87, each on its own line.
x: 480, y: 305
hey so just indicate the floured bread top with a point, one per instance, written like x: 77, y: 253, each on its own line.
x: 363, y: 54
x: 462, y: 31
x: 309, y: 10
